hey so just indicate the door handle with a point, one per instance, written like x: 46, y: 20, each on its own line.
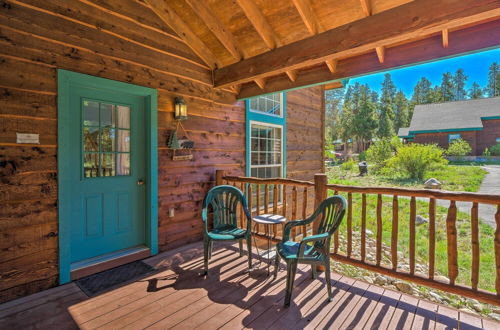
x: 140, y: 182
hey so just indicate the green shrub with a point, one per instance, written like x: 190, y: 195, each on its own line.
x: 379, y: 152
x: 396, y: 143
x: 348, y: 165
x: 414, y: 160
x: 362, y: 156
x: 459, y: 147
x: 487, y: 152
x: 495, y: 150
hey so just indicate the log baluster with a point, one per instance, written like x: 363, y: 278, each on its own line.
x: 497, y: 249
x: 379, y: 230
x: 394, y: 234
x: 432, y: 236
x: 304, y: 211
x: 413, y: 215
x: 294, y: 210
x: 284, y: 202
x: 266, y: 199
x: 257, y: 202
x: 451, y: 233
x: 475, y: 246
x: 349, y: 224
x: 250, y: 199
x: 363, y: 226
x: 336, y: 234
x: 275, y: 207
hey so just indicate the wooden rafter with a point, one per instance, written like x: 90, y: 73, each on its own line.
x: 307, y: 14
x: 445, y: 38
x: 483, y: 36
x: 259, y: 22
x: 380, y: 53
x: 396, y: 25
x: 331, y: 64
x: 334, y: 85
x: 367, y: 9
x: 169, y: 17
x: 261, y: 82
x: 227, y: 39
x: 292, y: 75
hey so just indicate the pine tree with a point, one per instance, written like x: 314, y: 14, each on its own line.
x: 422, y: 92
x: 401, y: 109
x: 363, y: 121
x: 333, y: 105
x: 447, y: 87
x: 493, y: 87
x: 459, y: 80
x: 475, y: 91
x: 386, y: 108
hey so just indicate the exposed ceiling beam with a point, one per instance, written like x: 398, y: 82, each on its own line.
x: 307, y: 14
x: 380, y: 53
x: 259, y: 22
x: 334, y: 85
x: 445, y: 38
x: 227, y: 39
x: 292, y: 75
x: 332, y: 65
x: 261, y: 82
x: 400, y: 24
x: 169, y: 17
x: 367, y: 9
x: 479, y: 37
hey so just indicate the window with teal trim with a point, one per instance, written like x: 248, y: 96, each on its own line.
x: 453, y: 137
x: 266, y: 138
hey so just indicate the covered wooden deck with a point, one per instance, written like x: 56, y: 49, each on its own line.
x: 176, y: 296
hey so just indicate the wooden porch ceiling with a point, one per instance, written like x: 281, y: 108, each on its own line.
x: 260, y: 46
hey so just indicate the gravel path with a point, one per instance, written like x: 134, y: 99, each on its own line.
x: 490, y: 185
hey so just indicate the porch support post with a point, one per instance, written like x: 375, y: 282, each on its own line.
x: 320, y: 194
x: 219, y: 174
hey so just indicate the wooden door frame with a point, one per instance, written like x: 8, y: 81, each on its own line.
x: 67, y: 79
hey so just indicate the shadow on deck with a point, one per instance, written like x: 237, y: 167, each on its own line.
x: 176, y: 296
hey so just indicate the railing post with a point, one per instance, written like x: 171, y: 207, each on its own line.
x: 320, y: 194
x: 219, y: 174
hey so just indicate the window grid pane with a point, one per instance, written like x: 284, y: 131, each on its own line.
x: 106, y: 149
x: 268, y: 104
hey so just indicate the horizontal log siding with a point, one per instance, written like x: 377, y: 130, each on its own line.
x: 122, y: 41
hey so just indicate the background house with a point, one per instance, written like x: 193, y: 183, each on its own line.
x: 475, y: 121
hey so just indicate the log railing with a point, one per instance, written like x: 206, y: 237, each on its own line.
x: 293, y: 207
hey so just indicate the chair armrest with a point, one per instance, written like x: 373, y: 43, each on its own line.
x: 288, y: 227
x: 310, y: 239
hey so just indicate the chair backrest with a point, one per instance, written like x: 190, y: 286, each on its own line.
x: 224, y: 200
x: 330, y: 214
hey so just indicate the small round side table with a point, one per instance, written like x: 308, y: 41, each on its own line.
x: 268, y: 220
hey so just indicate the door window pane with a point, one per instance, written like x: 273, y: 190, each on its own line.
x: 90, y: 113
x: 106, y: 148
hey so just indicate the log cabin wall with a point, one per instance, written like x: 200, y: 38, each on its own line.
x: 124, y: 41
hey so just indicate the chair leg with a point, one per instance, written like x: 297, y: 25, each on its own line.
x: 314, y: 272
x: 249, y: 250
x: 206, y: 247
x: 328, y: 279
x: 276, y: 263
x: 241, y: 247
x: 290, y: 278
x: 210, y: 248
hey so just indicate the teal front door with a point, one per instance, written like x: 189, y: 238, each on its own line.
x: 107, y: 171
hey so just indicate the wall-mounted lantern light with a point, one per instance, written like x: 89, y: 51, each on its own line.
x: 180, y: 109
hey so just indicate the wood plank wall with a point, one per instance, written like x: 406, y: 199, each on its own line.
x: 125, y: 41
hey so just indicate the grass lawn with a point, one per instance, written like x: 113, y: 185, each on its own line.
x: 453, y: 178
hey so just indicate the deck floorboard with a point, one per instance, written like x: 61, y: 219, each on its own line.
x: 177, y: 296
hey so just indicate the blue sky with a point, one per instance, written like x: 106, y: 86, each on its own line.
x: 475, y: 67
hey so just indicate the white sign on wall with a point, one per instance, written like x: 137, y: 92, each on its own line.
x: 28, y: 138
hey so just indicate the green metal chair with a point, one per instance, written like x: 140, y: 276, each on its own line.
x: 224, y: 201
x: 313, y: 250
